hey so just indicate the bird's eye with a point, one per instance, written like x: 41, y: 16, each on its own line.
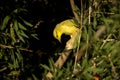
x: 56, y: 34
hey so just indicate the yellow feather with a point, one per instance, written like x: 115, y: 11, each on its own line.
x: 67, y: 27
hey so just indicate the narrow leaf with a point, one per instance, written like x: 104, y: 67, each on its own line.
x: 26, y: 23
x: 23, y: 34
x: 16, y: 25
x: 21, y: 26
x: 19, y: 57
x: 5, y: 22
x: 45, y: 67
x: 12, y: 33
x: 35, y: 36
x: 34, y: 77
x: 20, y: 37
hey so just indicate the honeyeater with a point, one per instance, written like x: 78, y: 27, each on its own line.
x: 67, y: 27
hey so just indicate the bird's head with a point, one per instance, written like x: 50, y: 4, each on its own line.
x: 67, y: 27
x: 57, y: 34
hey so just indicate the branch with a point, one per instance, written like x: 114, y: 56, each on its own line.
x: 74, y: 10
x: 11, y: 47
x: 64, y: 55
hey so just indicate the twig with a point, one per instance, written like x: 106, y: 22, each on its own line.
x: 104, y: 41
x: 37, y: 24
x: 74, y: 11
x: 11, y: 47
x: 95, y: 4
x: 79, y: 19
x: 3, y: 69
x: 116, y: 75
x: 89, y: 17
x: 99, y: 32
x: 104, y: 12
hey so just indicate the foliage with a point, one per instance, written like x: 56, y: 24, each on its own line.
x: 100, y: 40
x: 15, y: 33
x: 99, y: 43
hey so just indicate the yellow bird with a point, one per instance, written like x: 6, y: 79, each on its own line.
x: 67, y: 27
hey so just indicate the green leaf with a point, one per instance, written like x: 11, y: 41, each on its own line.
x: 88, y: 76
x: 94, y: 69
x: 5, y: 22
x: 12, y: 55
x: 26, y: 23
x: 20, y: 37
x: 14, y: 73
x: 94, y: 22
x: 16, y: 25
x: 21, y: 26
x: 19, y: 57
x: 12, y: 33
x: 45, y: 67
x: 15, y: 11
x: 34, y: 77
x: 11, y: 66
x: 23, y: 34
x: 1, y: 54
x: 60, y: 73
x: 51, y: 63
x: 16, y: 64
x: 35, y: 36
x: 85, y: 62
x: 78, y: 38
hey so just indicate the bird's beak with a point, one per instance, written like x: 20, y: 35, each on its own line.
x: 59, y: 40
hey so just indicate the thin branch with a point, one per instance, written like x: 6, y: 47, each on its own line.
x: 80, y: 32
x: 74, y: 10
x: 11, y: 47
x: 89, y: 17
x: 104, y: 12
x: 37, y: 24
x: 104, y: 41
x: 81, y: 17
x: 116, y: 75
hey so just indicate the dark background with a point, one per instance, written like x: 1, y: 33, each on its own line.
x: 49, y: 13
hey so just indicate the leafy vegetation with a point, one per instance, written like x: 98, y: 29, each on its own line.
x: 28, y: 50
